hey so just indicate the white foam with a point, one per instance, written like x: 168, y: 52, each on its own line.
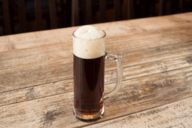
x: 88, y: 42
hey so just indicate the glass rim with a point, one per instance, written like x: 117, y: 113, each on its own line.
x: 103, y: 36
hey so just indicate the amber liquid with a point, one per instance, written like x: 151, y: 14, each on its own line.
x: 88, y: 87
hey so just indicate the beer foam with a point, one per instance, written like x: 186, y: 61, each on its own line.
x: 88, y: 42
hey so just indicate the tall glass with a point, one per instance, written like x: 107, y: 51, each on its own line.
x: 89, y: 57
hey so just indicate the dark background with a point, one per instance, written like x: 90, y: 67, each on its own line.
x: 17, y: 16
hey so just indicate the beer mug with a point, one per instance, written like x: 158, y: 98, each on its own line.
x: 88, y: 70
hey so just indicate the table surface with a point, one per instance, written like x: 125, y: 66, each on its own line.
x: 36, y: 84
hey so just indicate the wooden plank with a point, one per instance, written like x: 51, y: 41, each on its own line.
x: 168, y: 5
x: 44, y: 60
x: 117, y: 6
x: 135, y: 95
x: 141, y: 41
x: 5, y: 44
x: 75, y: 12
x: 181, y: 5
x: 175, y: 42
x: 130, y: 72
x: 38, y: 14
x: 152, y: 61
x: 160, y: 6
x: 115, y: 31
x: 88, y: 11
x: 52, y: 13
x: 174, y: 115
x: 102, y: 10
x: 22, y: 15
x: 36, y: 92
x: 36, y: 72
x: 32, y: 75
x: 128, y: 9
x: 6, y: 15
x: 13, y: 59
x: 59, y: 52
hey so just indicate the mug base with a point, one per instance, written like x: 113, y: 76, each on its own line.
x: 89, y: 116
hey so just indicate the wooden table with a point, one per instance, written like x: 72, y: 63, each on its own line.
x: 36, y: 85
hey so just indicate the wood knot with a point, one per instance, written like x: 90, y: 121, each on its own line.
x: 50, y: 116
x: 162, y: 83
x: 189, y: 59
x: 30, y: 94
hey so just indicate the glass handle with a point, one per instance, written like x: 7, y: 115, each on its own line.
x: 119, y: 74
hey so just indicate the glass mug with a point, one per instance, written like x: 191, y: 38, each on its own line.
x: 88, y: 70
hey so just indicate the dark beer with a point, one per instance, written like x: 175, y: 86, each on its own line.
x: 89, y: 59
x: 88, y: 85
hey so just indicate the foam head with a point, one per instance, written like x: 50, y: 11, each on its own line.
x: 88, y: 42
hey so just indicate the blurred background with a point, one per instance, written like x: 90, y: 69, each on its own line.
x: 18, y: 16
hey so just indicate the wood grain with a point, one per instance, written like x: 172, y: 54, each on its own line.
x: 52, y: 62
x: 115, y: 31
x: 130, y: 71
x: 174, y: 115
x: 36, y: 73
x: 135, y: 95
